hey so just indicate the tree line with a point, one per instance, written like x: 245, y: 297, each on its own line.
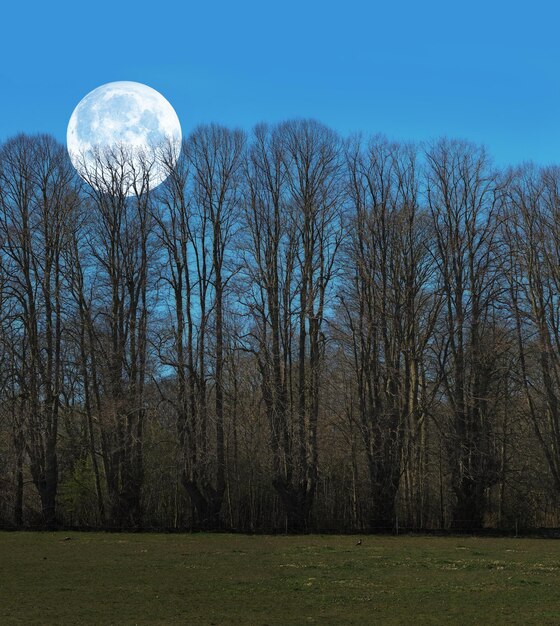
x: 296, y: 331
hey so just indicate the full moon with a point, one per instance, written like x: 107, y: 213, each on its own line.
x: 124, y: 130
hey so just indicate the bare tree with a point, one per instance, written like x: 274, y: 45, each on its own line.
x: 120, y: 242
x: 270, y: 255
x: 390, y: 311
x: 37, y: 205
x: 464, y: 196
x: 294, y: 202
x: 532, y: 232
x: 197, y: 221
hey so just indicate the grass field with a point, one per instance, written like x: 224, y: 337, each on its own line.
x: 96, y: 578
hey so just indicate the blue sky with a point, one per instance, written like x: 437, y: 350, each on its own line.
x: 484, y: 71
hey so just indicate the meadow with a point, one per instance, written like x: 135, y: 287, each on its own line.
x: 102, y: 578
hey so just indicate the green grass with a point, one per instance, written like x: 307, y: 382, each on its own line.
x: 100, y: 578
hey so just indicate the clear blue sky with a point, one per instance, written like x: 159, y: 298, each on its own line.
x: 484, y: 71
